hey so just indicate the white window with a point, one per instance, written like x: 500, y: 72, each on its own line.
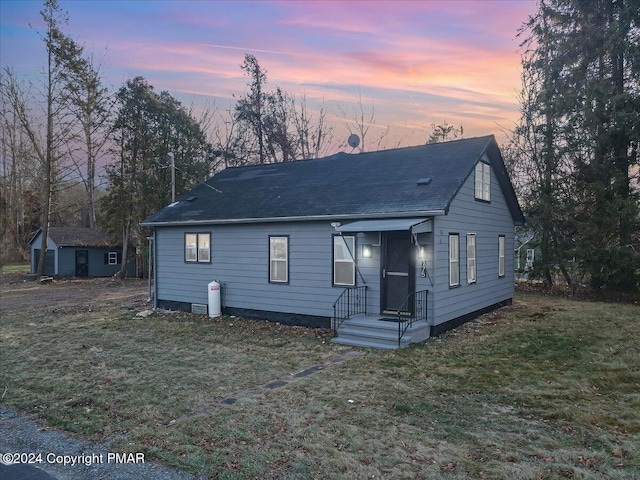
x: 113, y: 258
x: 279, y: 259
x: 190, y: 247
x: 344, y: 267
x: 454, y: 260
x: 197, y: 247
x: 501, y: 256
x: 483, y: 181
x: 204, y: 249
x: 471, y: 258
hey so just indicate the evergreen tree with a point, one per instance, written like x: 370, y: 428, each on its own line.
x: 147, y: 128
x: 580, y: 131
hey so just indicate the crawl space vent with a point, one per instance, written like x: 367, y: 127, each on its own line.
x: 199, y: 308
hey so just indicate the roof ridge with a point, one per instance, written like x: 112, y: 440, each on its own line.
x: 343, y: 153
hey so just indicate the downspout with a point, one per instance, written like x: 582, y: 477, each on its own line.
x: 151, y: 268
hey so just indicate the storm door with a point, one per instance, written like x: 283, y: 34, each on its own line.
x: 397, y: 271
x: 82, y: 263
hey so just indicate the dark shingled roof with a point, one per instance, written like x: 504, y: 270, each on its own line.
x: 399, y: 182
x: 77, y: 237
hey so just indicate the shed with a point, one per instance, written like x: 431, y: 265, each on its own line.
x: 78, y: 252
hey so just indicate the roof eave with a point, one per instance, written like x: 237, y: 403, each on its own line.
x: 305, y: 218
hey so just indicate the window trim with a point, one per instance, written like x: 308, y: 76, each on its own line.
x: 286, y: 260
x: 197, y: 259
x: 353, y: 261
x: 474, y: 258
x: 482, y: 188
x: 112, y: 258
x: 501, y: 256
x: 456, y: 260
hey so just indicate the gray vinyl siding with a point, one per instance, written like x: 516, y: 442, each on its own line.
x: 35, y: 245
x: 369, y: 269
x: 240, y: 260
x: 67, y: 261
x: 427, y: 282
x: 97, y: 266
x: 488, y: 221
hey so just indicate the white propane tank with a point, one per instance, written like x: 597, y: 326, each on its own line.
x: 214, y: 299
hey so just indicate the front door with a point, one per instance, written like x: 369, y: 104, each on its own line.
x: 82, y: 263
x: 397, y: 271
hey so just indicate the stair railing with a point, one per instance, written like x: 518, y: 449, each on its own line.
x: 352, y: 300
x: 412, y: 310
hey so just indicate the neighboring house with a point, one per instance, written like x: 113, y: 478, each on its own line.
x: 77, y: 252
x: 525, y: 249
x: 386, y: 247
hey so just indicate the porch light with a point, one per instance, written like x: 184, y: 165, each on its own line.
x: 366, y: 251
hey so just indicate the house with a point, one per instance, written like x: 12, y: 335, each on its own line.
x: 386, y: 247
x: 77, y: 252
x: 526, y: 248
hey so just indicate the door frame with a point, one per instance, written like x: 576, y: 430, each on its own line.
x: 411, y: 268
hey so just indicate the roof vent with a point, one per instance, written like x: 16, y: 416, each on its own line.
x: 424, y: 181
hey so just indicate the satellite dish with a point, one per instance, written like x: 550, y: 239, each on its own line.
x: 354, y: 140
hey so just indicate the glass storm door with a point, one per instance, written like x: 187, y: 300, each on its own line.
x: 397, y: 271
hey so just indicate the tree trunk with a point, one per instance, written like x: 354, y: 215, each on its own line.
x: 91, y: 179
x: 125, y: 249
x: 48, y: 166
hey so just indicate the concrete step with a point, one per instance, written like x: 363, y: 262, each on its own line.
x: 368, y: 336
x: 370, y: 331
x: 373, y: 324
x: 356, y: 339
x: 363, y: 342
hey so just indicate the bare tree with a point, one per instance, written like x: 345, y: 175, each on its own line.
x: 18, y: 179
x: 230, y: 139
x: 91, y: 104
x: 47, y: 145
x: 361, y: 122
x: 250, y: 109
x: 313, y: 134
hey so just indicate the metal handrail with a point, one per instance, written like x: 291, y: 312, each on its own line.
x: 352, y: 300
x: 413, y: 309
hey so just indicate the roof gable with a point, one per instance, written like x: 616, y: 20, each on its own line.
x: 397, y: 182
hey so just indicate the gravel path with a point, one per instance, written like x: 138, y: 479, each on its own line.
x: 20, y: 434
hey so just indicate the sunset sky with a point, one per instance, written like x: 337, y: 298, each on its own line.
x: 415, y: 63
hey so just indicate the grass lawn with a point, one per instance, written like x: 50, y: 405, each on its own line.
x: 548, y: 388
x: 15, y: 268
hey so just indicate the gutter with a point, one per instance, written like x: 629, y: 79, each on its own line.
x: 300, y: 218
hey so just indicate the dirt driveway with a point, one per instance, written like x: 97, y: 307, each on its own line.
x: 17, y: 294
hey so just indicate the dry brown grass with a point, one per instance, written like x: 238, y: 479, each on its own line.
x: 548, y: 388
